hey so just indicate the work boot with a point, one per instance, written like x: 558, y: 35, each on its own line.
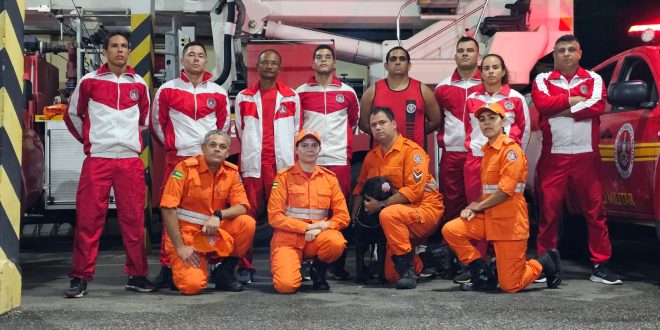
x: 551, y: 268
x: 317, y: 273
x: 224, y: 277
x: 164, y: 278
x: 482, y: 277
x: 406, y: 270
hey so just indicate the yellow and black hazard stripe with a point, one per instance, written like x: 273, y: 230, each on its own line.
x: 141, y: 58
x: 643, y: 152
x: 11, y: 135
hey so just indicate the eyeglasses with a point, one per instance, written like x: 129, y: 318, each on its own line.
x: 400, y: 58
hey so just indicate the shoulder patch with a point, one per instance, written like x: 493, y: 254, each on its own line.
x: 512, y: 156
x: 326, y: 171
x: 192, y: 161
x: 230, y: 165
x: 417, y: 158
x: 177, y: 174
x: 275, y: 185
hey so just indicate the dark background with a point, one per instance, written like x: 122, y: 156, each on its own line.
x: 602, y: 26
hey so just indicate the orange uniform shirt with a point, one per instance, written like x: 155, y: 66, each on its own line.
x: 504, y: 166
x: 193, y: 187
x: 297, y: 200
x: 406, y: 166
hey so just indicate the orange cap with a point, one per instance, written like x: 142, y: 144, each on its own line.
x: 304, y: 133
x: 220, y: 244
x: 494, y: 107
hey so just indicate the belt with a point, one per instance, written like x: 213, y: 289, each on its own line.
x: 492, y: 188
x: 306, y: 214
x: 192, y: 217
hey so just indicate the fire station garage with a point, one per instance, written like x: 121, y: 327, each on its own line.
x: 137, y: 163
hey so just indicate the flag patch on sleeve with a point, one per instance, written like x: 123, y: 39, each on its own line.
x: 177, y: 174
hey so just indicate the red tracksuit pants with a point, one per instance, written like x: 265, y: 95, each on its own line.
x: 171, y: 160
x: 258, y: 192
x: 560, y: 176
x: 452, y: 185
x: 97, y: 176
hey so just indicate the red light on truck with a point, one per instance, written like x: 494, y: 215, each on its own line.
x: 646, y: 32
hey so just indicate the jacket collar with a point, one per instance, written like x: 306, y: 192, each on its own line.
x: 283, y: 89
x: 206, y: 76
x: 456, y: 77
x: 335, y: 81
x: 104, y: 69
x: 581, y: 73
x: 481, y: 90
x: 497, y: 145
x: 297, y: 170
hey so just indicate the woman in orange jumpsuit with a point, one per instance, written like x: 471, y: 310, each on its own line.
x: 500, y: 215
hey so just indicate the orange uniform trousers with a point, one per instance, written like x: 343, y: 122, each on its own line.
x: 404, y: 225
x: 287, y: 250
x: 514, y: 272
x: 238, y: 232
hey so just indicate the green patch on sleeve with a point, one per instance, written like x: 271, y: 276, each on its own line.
x: 275, y: 184
x: 177, y: 174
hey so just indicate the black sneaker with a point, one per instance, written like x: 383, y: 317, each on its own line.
x: 603, y: 274
x: 164, y: 278
x: 140, y: 284
x: 541, y: 278
x: 304, y: 270
x: 464, y: 277
x: 77, y: 288
x: 340, y: 274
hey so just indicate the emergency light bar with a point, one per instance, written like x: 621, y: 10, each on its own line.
x: 646, y: 32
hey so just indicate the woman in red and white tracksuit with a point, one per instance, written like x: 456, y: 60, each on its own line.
x: 493, y: 90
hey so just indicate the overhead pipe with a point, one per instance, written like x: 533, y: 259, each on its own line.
x: 346, y: 49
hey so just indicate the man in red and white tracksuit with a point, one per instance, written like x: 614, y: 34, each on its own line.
x: 268, y: 117
x: 107, y: 112
x: 184, y: 110
x: 569, y: 100
x: 451, y: 94
x: 517, y: 127
x: 331, y: 109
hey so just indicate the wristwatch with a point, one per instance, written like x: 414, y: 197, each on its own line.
x: 218, y: 214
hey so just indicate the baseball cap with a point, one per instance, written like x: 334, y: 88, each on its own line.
x: 305, y: 133
x: 494, y: 107
x: 220, y: 244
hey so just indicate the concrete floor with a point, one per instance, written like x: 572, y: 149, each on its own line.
x: 578, y: 303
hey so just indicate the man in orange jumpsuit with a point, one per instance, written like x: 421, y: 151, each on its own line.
x: 204, y: 209
x: 413, y: 213
x: 302, y: 198
x: 500, y: 215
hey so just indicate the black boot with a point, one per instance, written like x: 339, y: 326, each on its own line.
x: 224, y: 277
x: 551, y: 268
x: 404, y: 266
x: 482, y: 277
x: 317, y: 273
x: 164, y: 278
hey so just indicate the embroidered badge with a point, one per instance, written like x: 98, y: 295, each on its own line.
x: 508, y: 105
x: 417, y: 158
x: 584, y: 89
x: 417, y: 175
x: 339, y: 98
x: 282, y: 109
x: 275, y: 185
x: 411, y: 108
x: 511, y: 156
x: 210, y: 103
x: 134, y: 95
x: 177, y: 174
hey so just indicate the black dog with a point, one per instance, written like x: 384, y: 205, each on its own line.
x: 368, y: 236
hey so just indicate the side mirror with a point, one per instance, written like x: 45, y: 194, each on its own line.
x: 628, y: 93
